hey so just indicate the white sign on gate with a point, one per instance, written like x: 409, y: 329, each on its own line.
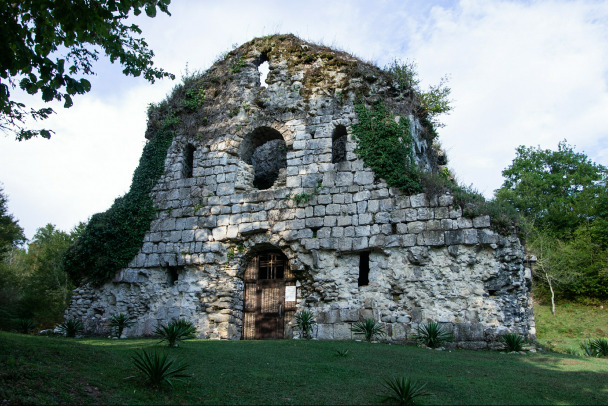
x: 290, y: 293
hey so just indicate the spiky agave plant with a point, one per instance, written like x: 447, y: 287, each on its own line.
x: 158, y: 368
x: 305, y: 322
x: 176, y: 330
x: 403, y: 391
x: 24, y: 326
x: 369, y: 328
x: 600, y: 346
x: 119, y: 322
x: 513, y: 341
x: 70, y: 327
x: 433, y: 335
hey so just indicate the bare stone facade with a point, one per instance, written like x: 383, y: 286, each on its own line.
x: 265, y: 210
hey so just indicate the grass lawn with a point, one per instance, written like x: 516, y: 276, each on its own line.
x: 572, y: 324
x: 45, y: 370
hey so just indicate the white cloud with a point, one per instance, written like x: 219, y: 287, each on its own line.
x: 530, y: 74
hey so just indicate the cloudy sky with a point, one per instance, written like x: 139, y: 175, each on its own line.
x: 521, y: 72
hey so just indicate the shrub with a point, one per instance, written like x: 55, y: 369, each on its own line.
x: 369, y: 328
x: 24, y: 326
x: 513, y: 342
x: 342, y: 353
x: 597, y: 347
x: 119, y: 322
x: 158, y: 369
x: 403, y: 391
x: 176, y: 330
x: 433, y: 335
x: 70, y: 327
x: 600, y: 346
x: 305, y: 322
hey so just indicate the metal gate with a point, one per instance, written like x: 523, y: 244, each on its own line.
x: 267, y: 278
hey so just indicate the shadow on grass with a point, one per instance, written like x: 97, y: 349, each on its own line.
x: 52, y: 370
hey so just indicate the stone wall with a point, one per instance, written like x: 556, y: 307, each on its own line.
x: 427, y: 262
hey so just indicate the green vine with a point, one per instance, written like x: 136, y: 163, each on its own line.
x: 112, y: 238
x: 305, y: 197
x: 385, y: 145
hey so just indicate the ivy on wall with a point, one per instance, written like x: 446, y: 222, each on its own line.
x: 385, y: 145
x: 112, y: 238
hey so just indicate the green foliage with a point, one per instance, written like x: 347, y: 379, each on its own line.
x: 48, y: 46
x: 305, y: 197
x: 433, y: 102
x: 564, y: 197
x: 24, y: 326
x: 433, y: 335
x: 11, y: 234
x: 33, y: 282
x: 597, y: 347
x: 70, y: 327
x: 176, y: 330
x: 119, y: 322
x: 238, y: 65
x: 257, y: 366
x: 158, y: 369
x: 385, y: 146
x: 342, y: 353
x: 556, y: 190
x: 195, y: 97
x: 369, y: 328
x: 600, y: 345
x: 513, y: 342
x: 403, y: 391
x: 305, y: 322
x: 111, y: 239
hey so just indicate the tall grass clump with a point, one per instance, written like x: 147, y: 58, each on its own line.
x: 403, y: 391
x: 513, y: 342
x: 70, y: 327
x: 368, y: 328
x: 158, y: 369
x: 176, y: 330
x: 433, y: 335
x: 119, y: 322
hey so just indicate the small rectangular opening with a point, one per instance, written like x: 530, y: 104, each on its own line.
x: 172, y: 275
x: 363, y: 269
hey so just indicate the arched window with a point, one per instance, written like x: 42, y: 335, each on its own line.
x: 188, y: 162
x: 338, y: 144
x: 265, y: 149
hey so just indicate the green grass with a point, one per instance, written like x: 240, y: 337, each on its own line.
x: 45, y: 370
x: 571, y: 325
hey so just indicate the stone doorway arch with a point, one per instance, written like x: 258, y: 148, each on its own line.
x: 270, y: 296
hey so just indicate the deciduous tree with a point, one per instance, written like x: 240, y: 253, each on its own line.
x: 48, y: 46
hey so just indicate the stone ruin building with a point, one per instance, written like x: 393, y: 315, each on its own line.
x: 264, y: 209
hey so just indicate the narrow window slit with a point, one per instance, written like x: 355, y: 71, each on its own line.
x: 363, y: 269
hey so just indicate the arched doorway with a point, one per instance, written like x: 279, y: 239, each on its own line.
x: 270, y: 296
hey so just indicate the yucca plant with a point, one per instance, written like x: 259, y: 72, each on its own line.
x: 513, y: 341
x: 403, y: 391
x: 587, y: 347
x: 305, y: 322
x: 70, y: 327
x: 176, y: 330
x: 158, y: 369
x: 342, y: 353
x: 433, y: 335
x: 24, y: 326
x: 369, y: 328
x: 600, y: 346
x: 119, y: 322
x: 597, y: 347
